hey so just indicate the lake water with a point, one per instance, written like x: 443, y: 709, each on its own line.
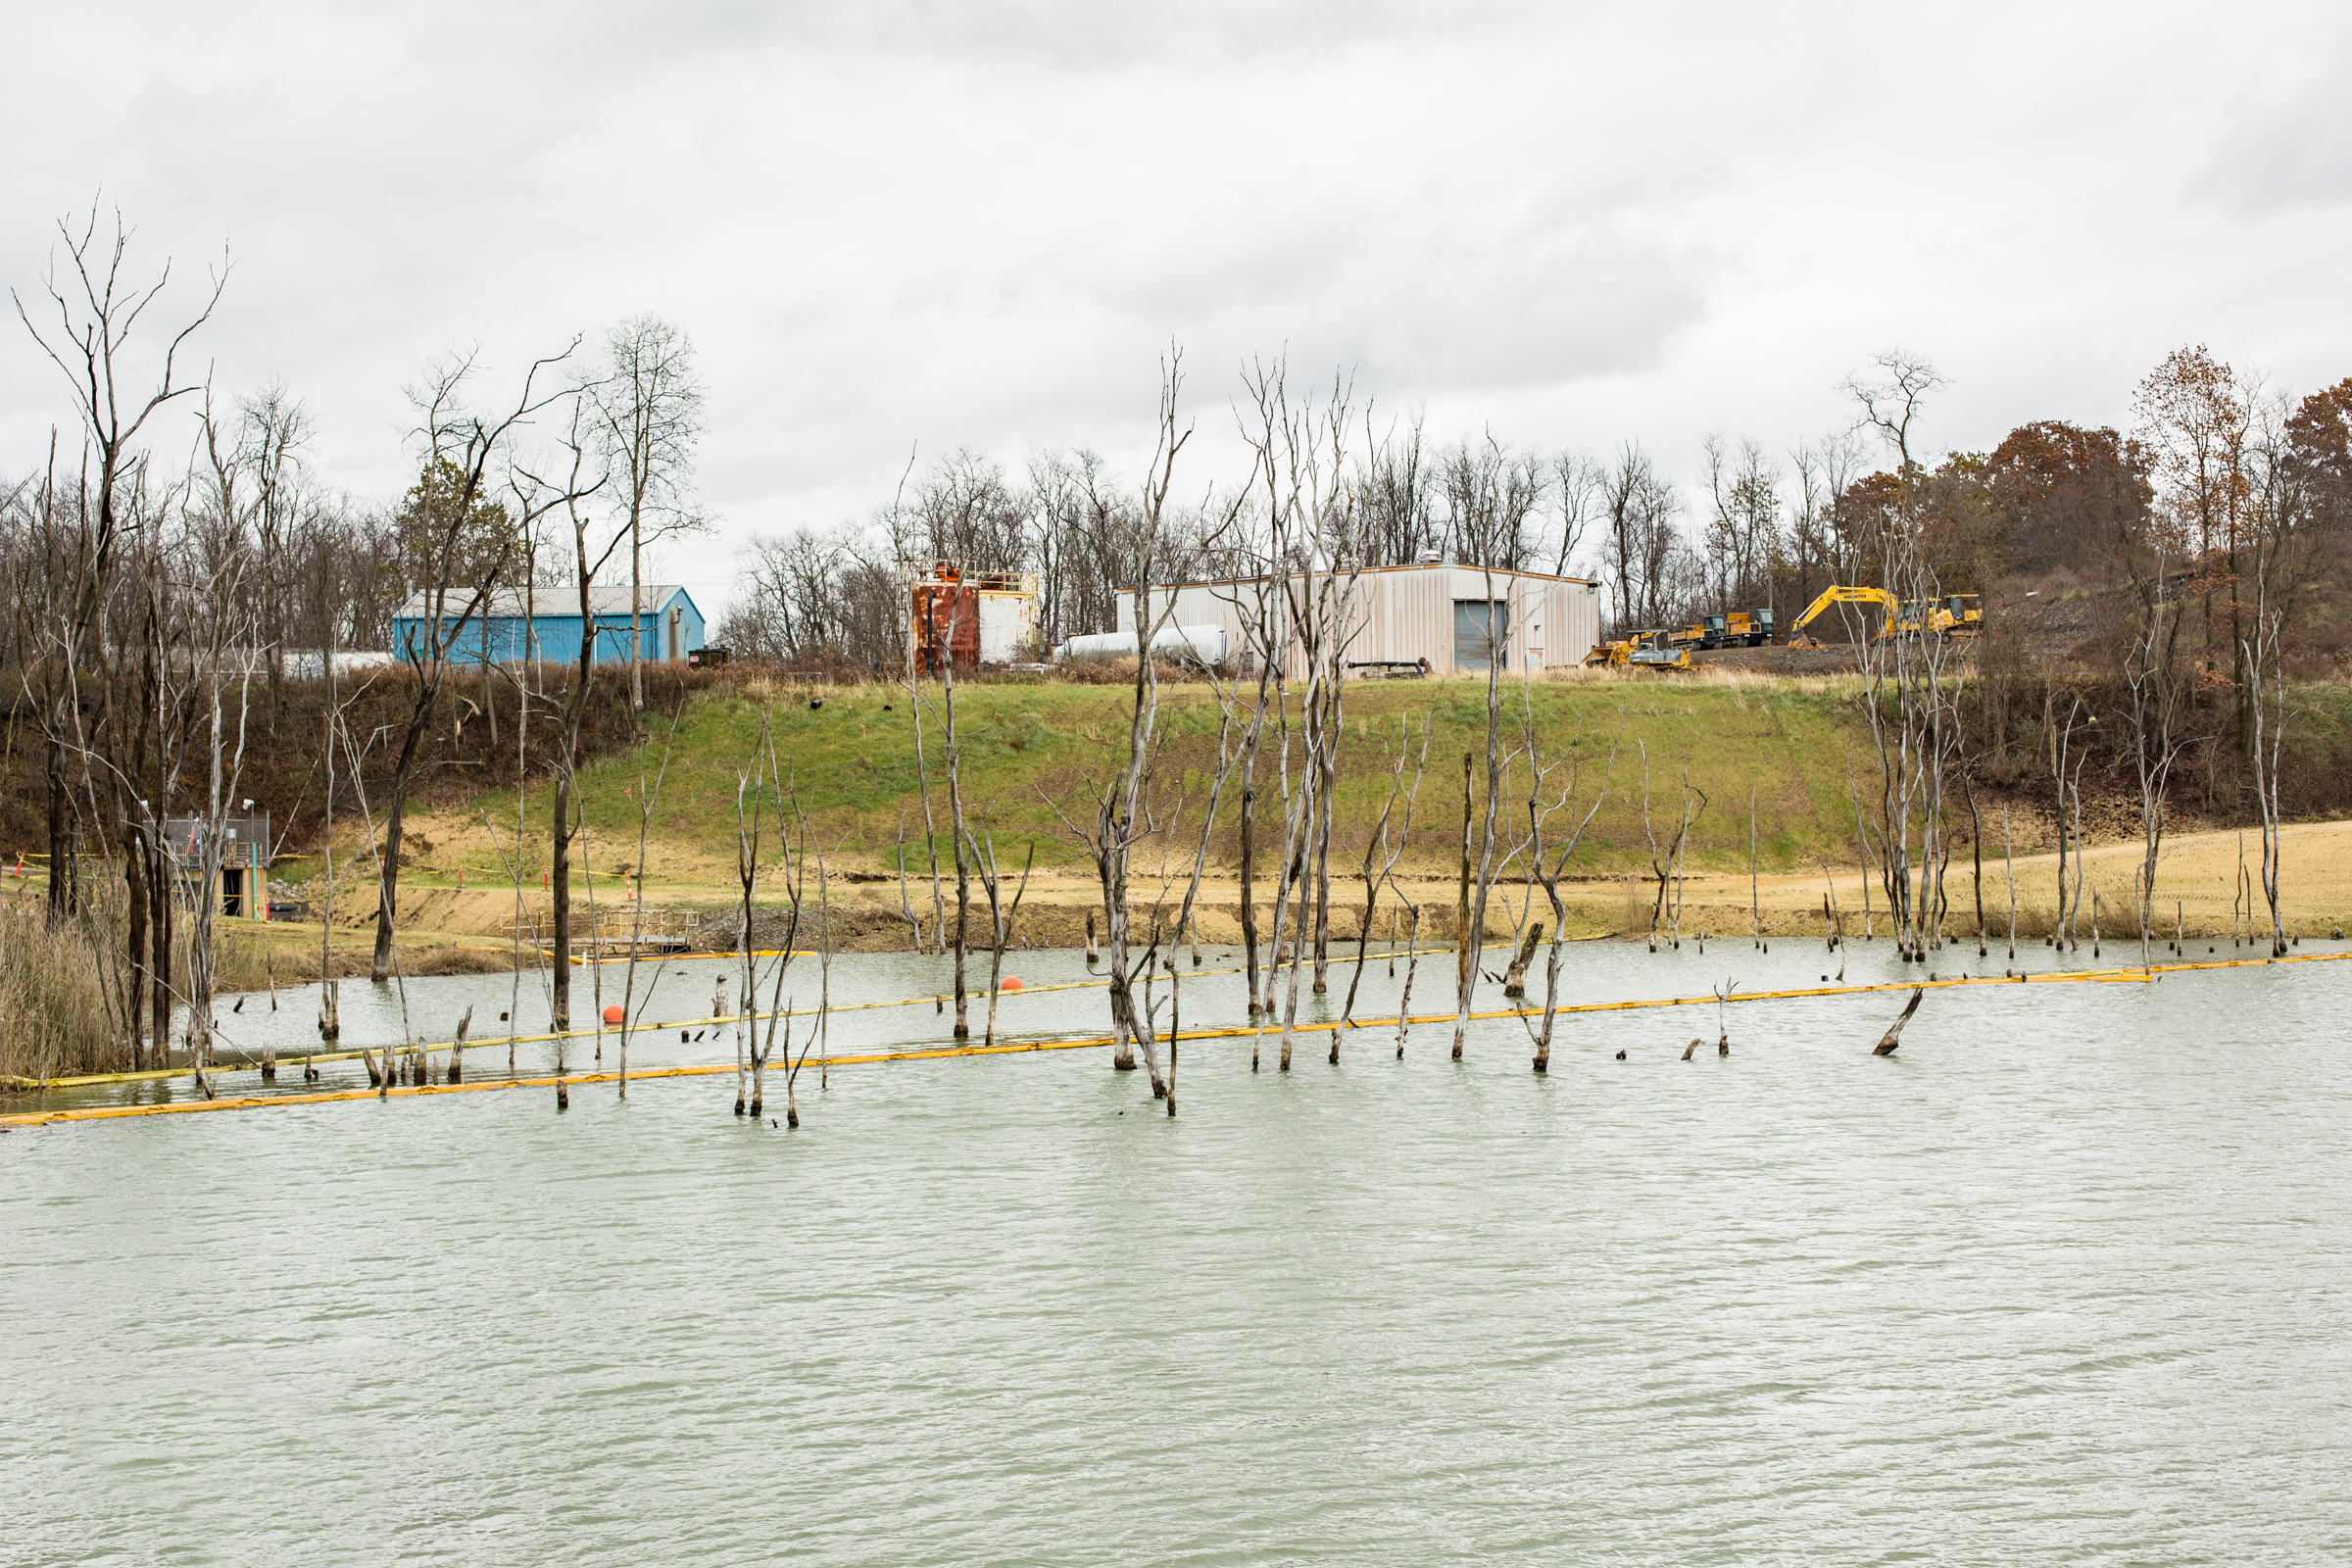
x: 2067, y: 1279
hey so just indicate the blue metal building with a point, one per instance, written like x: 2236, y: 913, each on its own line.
x: 546, y: 625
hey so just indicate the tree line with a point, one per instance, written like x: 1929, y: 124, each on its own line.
x: 1752, y: 529
x: 171, y: 594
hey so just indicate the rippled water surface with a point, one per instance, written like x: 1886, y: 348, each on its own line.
x: 2064, y: 1280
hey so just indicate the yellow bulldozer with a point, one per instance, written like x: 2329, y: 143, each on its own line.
x: 1654, y: 649
x: 1951, y: 615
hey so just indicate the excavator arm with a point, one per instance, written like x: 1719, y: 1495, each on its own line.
x: 1836, y: 595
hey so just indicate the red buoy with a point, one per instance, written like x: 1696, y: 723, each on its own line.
x: 1012, y: 982
x: 613, y: 1012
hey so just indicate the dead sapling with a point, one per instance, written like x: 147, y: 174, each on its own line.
x: 1381, y: 855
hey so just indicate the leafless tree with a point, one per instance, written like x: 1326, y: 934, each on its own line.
x: 649, y: 415
x: 1313, y: 548
x: 1118, y: 808
x: 1639, y: 547
x: 1743, y: 528
x: 2159, y: 689
x: 562, y: 492
x: 1578, y: 486
x: 1547, y: 862
x: 98, y: 310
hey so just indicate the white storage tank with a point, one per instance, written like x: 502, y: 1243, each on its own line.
x: 1206, y: 646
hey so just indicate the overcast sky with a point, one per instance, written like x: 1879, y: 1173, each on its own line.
x: 887, y: 224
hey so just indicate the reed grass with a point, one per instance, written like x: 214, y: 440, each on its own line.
x: 53, y: 1017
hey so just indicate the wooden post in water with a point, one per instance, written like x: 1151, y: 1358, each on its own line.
x: 457, y: 1050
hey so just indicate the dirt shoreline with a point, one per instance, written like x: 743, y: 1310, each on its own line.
x: 466, y: 930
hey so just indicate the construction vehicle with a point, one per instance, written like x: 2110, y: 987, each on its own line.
x: 1952, y: 616
x: 1654, y: 649
x: 1754, y: 627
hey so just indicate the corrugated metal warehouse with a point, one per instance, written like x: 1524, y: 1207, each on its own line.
x: 1405, y: 614
x: 546, y: 624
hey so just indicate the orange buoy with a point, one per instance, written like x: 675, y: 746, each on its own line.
x: 1012, y: 982
x: 613, y: 1012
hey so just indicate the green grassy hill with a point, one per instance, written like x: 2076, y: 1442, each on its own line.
x: 1028, y: 748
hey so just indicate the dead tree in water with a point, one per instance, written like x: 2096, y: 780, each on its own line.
x: 1489, y: 494
x: 1548, y: 864
x: 1119, y: 813
x: 1000, y: 919
x: 957, y: 829
x: 2267, y: 710
x: 228, y: 758
x: 565, y: 811
x: 750, y: 780
x: 1265, y: 637
x: 1404, y: 999
x: 818, y: 1029
x: 648, y: 797
x: 1378, y: 847
x: 1313, y: 548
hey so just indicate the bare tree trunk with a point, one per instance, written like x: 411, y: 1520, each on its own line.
x: 1404, y: 999
x: 964, y: 869
x: 2009, y: 870
x: 1250, y: 874
x: 1465, y: 946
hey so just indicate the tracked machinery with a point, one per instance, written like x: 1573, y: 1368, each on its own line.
x: 1951, y: 615
x: 1728, y: 629
x: 1654, y: 648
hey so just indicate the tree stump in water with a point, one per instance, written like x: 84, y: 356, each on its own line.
x: 1514, y: 978
x: 1894, y: 1036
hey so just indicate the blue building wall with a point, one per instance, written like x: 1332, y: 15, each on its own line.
x: 555, y: 638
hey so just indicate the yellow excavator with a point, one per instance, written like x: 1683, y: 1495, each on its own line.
x: 1952, y: 616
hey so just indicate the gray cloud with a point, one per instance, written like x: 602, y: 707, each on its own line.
x: 983, y: 223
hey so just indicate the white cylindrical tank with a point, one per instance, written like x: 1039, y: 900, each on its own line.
x: 1192, y: 645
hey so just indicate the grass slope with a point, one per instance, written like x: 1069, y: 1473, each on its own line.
x: 1028, y: 749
